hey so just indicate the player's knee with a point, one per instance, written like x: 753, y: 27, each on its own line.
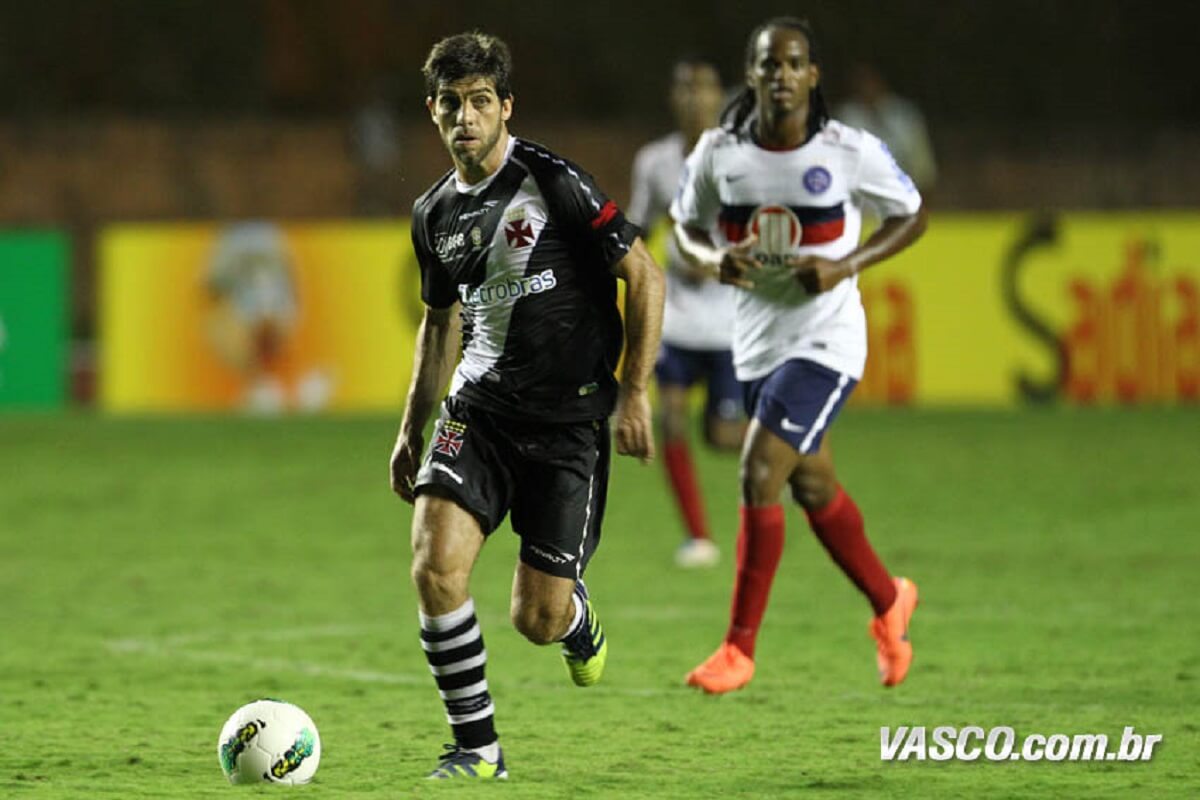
x: 538, y: 623
x: 439, y: 587
x: 760, y: 485
x: 813, y: 490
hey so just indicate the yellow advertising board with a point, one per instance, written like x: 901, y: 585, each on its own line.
x: 255, y: 316
x: 1003, y: 309
x: 986, y: 310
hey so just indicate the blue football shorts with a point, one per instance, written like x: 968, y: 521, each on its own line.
x: 684, y: 367
x: 798, y: 401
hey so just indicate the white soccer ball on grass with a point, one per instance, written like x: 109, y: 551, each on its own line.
x: 269, y: 741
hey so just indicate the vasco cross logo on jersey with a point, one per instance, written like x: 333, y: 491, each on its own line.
x: 519, y: 233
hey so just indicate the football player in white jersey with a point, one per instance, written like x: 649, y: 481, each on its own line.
x: 698, y: 317
x: 772, y: 202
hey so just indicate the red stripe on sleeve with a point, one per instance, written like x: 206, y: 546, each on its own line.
x: 605, y: 216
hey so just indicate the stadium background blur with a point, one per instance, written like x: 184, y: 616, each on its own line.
x: 141, y: 555
x: 129, y: 111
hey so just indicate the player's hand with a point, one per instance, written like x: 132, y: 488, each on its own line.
x: 635, y: 435
x: 738, y: 263
x: 406, y: 460
x: 818, y: 274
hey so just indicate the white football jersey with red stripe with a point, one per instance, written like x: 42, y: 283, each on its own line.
x: 804, y: 201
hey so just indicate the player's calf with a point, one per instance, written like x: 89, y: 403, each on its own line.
x: 539, y: 623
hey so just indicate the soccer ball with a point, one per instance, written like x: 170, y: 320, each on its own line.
x: 269, y: 741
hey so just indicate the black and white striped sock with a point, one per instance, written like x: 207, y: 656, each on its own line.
x: 454, y: 648
x: 578, y: 621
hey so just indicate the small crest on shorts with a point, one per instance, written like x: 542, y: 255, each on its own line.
x: 476, y: 237
x: 449, y: 438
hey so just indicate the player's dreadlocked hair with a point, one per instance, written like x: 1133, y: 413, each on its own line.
x: 466, y: 55
x: 739, y: 109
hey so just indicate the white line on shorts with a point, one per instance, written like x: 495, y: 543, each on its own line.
x: 823, y: 417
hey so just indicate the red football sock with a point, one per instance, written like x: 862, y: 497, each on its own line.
x: 759, y: 546
x: 678, y: 459
x: 839, y: 526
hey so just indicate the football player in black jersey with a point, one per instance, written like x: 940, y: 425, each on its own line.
x: 519, y: 253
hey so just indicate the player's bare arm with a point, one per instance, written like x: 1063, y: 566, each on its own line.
x: 734, y: 265
x: 437, y: 345
x: 818, y: 274
x: 644, y: 291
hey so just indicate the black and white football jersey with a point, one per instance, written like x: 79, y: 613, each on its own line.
x: 528, y: 253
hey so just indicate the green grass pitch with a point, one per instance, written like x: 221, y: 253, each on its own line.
x: 156, y: 574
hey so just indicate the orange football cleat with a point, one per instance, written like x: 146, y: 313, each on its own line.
x: 893, y: 650
x: 725, y: 670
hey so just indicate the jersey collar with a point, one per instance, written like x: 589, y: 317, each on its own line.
x: 478, y: 188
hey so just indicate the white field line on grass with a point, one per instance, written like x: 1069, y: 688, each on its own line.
x: 183, y: 647
x: 145, y: 647
x: 347, y: 631
x: 201, y: 638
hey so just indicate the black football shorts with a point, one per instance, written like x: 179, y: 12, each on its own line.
x: 552, y: 478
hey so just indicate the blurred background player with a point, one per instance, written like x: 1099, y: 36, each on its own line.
x: 698, y: 317
x: 773, y: 201
x: 519, y: 251
x: 874, y: 107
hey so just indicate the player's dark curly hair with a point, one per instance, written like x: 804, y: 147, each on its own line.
x: 467, y: 55
x: 742, y: 106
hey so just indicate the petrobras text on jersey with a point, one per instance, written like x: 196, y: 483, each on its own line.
x: 508, y: 289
